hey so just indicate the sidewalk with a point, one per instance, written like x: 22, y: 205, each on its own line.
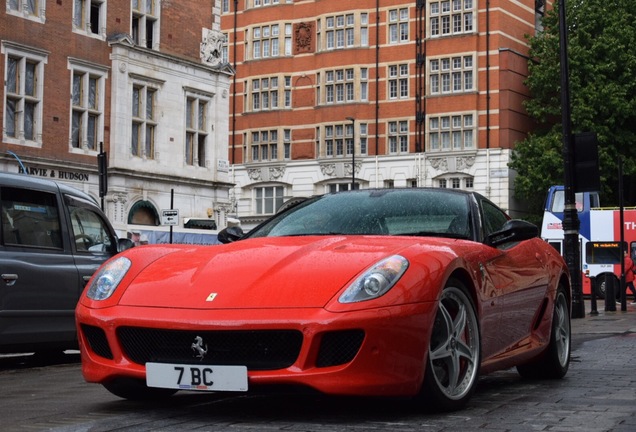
x: 605, y: 322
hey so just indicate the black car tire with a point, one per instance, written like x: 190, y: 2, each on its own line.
x: 555, y: 361
x: 454, y: 353
x: 135, y: 389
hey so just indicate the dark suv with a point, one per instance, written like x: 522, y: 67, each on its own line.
x: 52, y: 240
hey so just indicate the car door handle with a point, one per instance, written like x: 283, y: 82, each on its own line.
x: 9, y: 278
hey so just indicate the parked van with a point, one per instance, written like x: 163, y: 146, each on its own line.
x: 52, y: 240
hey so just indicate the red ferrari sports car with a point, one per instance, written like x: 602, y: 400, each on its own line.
x: 391, y: 292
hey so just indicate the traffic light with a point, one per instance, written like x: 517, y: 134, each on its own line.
x: 587, y: 176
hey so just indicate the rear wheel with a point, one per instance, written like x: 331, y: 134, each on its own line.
x: 454, y: 351
x: 555, y: 361
x: 136, y: 389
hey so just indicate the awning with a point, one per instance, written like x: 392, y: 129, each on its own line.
x: 200, y: 224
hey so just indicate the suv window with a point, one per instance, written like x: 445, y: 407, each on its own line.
x: 90, y: 232
x: 30, y: 218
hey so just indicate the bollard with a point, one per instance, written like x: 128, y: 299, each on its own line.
x: 610, y: 296
x: 593, y: 294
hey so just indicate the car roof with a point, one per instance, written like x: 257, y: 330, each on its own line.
x: 27, y: 181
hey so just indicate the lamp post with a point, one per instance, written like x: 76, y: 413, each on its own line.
x: 353, y: 152
x: 571, y: 222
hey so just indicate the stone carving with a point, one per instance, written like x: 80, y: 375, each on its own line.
x: 276, y: 172
x: 303, y: 37
x: 463, y: 163
x: 254, y: 173
x: 439, y: 163
x: 212, y: 47
x: 328, y: 169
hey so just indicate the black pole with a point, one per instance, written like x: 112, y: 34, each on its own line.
x: 353, y: 152
x: 621, y: 211
x: 571, y: 221
x: 171, y: 208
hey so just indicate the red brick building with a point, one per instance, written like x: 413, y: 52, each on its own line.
x: 141, y: 79
x: 427, y: 93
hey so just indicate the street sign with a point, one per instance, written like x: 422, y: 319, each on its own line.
x: 170, y: 217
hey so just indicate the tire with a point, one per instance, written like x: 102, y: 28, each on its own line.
x: 555, y: 361
x: 136, y: 389
x: 454, y: 352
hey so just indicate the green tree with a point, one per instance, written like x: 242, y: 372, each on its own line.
x: 602, y: 64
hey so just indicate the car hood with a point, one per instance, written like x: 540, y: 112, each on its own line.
x: 283, y: 272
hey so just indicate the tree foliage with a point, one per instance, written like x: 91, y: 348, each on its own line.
x: 602, y: 66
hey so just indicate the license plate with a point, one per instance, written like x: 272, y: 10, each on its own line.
x: 196, y: 377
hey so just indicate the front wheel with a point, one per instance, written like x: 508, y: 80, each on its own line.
x: 135, y: 389
x: 454, y: 351
x: 555, y: 361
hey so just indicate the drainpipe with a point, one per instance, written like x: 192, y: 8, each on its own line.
x: 234, y: 87
x: 488, y: 98
x: 377, y: 74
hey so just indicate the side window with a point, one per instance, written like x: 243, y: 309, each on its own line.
x: 90, y: 232
x: 30, y: 218
x: 494, y: 219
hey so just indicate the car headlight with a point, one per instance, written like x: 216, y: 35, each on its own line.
x: 376, y: 281
x: 108, y: 278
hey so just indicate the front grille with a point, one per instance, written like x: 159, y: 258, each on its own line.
x: 97, y: 341
x: 257, y: 350
x: 339, y: 347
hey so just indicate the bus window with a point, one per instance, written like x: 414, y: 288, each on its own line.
x: 558, y: 203
x: 556, y: 245
x: 603, y: 253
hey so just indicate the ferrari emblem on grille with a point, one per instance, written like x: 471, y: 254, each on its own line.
x: 198, y: 347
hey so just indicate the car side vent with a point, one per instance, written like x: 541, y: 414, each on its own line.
x: 339, y: 347
x: 97, y: 340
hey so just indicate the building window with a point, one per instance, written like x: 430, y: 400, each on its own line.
x: 34, y: 10
x: 144, y: 121
x: 225, y: 6
x: 259, y: 3
x: 265, y: 41
x: 339, y: 139
x: 451, y: 75
x: 339, y: 86
x: 268, y: 199
x: 287, y: 144
x: 451, y: 133
x: 23, y: 95
x: 145, y: 23
x: 196, y: 131
x: 89, y: 17
x: 265, y: 94
x: 339, y: 31
x: 398, y: 137
x: 451, y: 17
x: 264, y: 145
x: 339, y: 187
x: 225, y: 51
x: 87, y: 100
x: 398, y: 25
x: 399, y: 81
x: 455, y: 181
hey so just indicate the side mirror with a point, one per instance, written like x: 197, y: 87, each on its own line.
x: 124, y: 243
x: 514, y: 230
x: 230, y: 234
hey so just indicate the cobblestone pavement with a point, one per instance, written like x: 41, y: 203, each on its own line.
x: 598, y: 394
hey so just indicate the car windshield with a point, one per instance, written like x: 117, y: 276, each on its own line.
x: 375, y: 212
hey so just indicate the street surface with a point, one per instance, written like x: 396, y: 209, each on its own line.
x: 598, y: 394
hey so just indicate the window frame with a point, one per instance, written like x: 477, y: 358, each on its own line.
x: 18, y: 99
